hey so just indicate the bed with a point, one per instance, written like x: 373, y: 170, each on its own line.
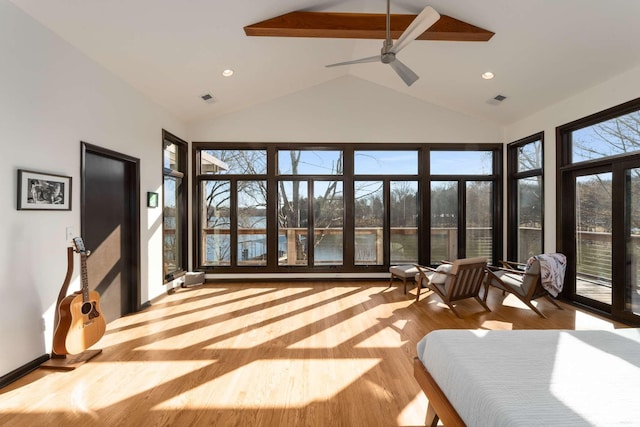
x: 530, y: 377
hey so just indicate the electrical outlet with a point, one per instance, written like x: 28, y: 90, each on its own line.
x: 70, y: 233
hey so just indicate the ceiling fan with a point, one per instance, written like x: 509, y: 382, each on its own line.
x: 419, y: 25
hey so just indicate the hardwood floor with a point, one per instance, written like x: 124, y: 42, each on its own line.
x: 285, y: 354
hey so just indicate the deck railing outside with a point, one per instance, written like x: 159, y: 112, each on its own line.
x: 593, y: 261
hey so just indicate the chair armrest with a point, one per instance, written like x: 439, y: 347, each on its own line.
x: 512, y: 265
x: 424, y: 267
x: 491, y: 270
x: 508, y: 270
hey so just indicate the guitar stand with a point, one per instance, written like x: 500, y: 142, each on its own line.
x: 67, y: 362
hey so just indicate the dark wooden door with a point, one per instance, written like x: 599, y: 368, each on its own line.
x: 110, y: 218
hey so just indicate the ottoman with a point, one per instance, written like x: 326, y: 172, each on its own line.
x: 403, y: 272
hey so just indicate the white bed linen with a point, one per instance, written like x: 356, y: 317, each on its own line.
x: 537, y: 378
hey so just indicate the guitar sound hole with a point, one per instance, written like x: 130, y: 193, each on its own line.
x: 86, y: 308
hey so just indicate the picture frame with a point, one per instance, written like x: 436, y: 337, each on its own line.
x: 152, y: 199
x: 38, y: 191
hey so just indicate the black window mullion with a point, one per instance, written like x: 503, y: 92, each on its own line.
x: 462, y: 218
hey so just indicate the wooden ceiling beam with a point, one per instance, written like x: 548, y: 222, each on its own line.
x: 362, y: 26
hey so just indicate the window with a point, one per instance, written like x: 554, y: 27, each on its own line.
x: 526, y: 196
x: 309, y: 162
x: 328, y: 222
x: 386, y: 162
x: 465, y: 212
x: 293, y: 222
x: 444, y: 220
x: 615, y: 136
x: 461, y: 162
x: 386, y: 218
x: 232, y: 205
x: 599, y: 172
x: 335, y: 208
x: 403, y: 213
x: 174, y: 214
x: 252, y: 222
x: 369, y: 222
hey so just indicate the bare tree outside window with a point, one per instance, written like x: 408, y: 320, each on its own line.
x: 302, y: 200
x: 620, y: 135
x: 216, y: 207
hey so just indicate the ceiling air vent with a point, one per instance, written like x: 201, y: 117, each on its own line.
x: 208, y: 98
x: 496, y: 100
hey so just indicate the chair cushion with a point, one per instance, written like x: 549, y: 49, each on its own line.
x: 404, y: 271
x: 441, y: 277
x: 437, y: 277
x: 513, y: 279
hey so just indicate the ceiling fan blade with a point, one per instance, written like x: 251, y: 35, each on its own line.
x: 357, y: 61
x: 405, y: 73
x: 423, y: 21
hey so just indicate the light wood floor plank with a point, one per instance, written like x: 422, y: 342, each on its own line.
x: 267, y: 354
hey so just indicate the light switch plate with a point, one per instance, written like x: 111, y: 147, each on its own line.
x: 70, y: 233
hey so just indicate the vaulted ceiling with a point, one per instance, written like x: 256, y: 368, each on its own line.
x: 174, y: 51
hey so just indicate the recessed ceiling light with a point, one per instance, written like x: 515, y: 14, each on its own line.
x: 228, y: 72
x: 487, y: 75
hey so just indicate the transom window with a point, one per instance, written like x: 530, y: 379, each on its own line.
x: 615, y: 136
x: 386, y: 162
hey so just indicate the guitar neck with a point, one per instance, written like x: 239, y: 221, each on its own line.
x: 85, y: 277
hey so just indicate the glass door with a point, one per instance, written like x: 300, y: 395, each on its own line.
x: 606, y: 232
x: 629, y: 297
x: 593, y: 237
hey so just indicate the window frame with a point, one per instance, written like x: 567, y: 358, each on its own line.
x: 348, y: 179
x: 182, y: 148
x: 566, y: 171
x: 462, y: 180
x: 513, y: 204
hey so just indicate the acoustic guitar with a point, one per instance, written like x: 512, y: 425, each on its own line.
x: 81, y: 323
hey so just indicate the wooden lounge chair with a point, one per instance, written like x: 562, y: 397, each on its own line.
x: 522, y: 280
x: 455, y: 281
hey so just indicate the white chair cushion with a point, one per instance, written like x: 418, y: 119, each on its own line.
x: 404, y: 271
x: 512, y: 279
x: 437, y: 277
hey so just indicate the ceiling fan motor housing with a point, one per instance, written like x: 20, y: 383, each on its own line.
x: 387, y: 57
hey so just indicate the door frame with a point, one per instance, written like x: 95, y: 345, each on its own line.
x: 620, y: 248
x: 132, y: 166
x: 567, y: 241
x: 566, y: 229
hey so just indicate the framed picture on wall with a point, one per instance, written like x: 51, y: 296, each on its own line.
x: 43, y: 192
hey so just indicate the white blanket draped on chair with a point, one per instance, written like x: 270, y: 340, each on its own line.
x: 552, y: 269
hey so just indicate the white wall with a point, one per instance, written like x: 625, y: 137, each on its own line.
x: 51, y: 98
x: 347, y: 109
x: 610, y: 93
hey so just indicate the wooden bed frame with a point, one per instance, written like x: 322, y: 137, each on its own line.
x: 439, y: 406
